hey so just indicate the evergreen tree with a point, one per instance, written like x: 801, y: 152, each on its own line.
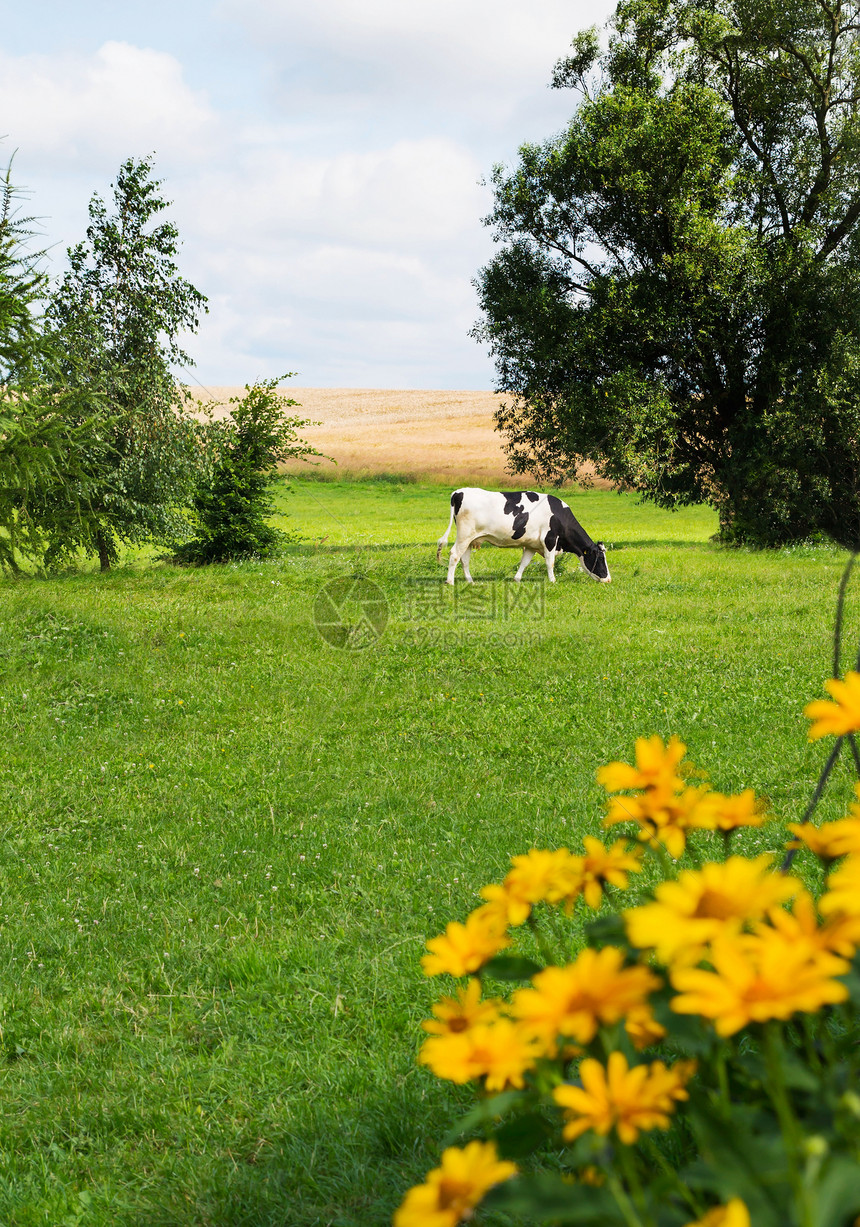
x: 118, y: 315
x: 46, y: 444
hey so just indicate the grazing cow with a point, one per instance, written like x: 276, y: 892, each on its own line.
x: 536, y: 523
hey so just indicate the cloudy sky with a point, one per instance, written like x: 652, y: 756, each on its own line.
x: 324, y: 159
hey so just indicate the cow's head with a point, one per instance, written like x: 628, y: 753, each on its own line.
x: 593, y: 562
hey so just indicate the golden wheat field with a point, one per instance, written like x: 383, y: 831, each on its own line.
x: 439, y: 436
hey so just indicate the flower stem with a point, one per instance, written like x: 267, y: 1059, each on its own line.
x: 668, y: 1170
x: 791, y: 1133
x: 722, y: 1076
x: 543, y: 945
x: 628, y: 1165
x: 625, y: 1205
x: 558, y: 935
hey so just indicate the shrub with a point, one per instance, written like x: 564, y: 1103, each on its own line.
x: 697, y: 1061
x: 232, y: 501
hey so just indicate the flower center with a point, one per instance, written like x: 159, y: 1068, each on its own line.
x: 453, y: 1194
x: 714, y: 905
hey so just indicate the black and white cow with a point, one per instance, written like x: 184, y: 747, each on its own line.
x: 536, y: 523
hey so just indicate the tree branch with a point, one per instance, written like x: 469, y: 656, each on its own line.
x: 735, y: 101
x: 838, y: 233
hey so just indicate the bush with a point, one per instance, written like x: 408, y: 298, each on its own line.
x: 697, y: 1061
x: 233, y: 501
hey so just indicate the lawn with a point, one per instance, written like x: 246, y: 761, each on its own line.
x: 226, y: 841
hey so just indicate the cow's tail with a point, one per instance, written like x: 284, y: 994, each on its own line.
x: 443, y: 540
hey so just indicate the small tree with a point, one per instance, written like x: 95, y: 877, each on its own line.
x: 117, y: 315
x: 232, y: 500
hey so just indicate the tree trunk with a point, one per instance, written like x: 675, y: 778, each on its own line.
x: 104, y: 551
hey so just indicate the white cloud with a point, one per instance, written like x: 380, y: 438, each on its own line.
x: 102, y: 107
x: 357, y: 262
x: 412, y: 193
x: 326, y: 192
x: 464, y: 46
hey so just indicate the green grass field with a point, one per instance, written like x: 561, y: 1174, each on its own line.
x: 225, y: 840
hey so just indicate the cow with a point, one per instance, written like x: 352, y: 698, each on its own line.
x: 536, y: 523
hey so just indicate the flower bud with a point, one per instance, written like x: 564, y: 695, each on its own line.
x: 816, y: 1147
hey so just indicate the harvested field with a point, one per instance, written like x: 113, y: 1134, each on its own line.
x: 429, y: 436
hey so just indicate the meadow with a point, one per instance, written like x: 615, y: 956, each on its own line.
x: 226, y: 841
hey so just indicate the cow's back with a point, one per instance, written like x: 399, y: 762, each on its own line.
x: 518, y: 517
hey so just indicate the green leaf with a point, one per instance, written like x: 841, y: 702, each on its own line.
x: 838, y: 1192
x: 487, y: 1112
x: 852, y: 982
x: 744, y: 1157
x: 524, y: 1134
x: 547, y: 1196
x: 511, y: 967
x: 607, y: 931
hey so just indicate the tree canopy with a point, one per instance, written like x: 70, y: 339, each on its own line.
x: 676, y: 297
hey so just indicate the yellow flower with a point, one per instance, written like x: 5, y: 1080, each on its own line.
x: 463, y: 948
x: 452, y: 1190
x: 511, y: 910
x: 842, y: 897
x: 537, y: 876
x: 664, y: 816
x: 757, y: 977
x: 499, y: 1051
x: 601, y: 865
x: 832, y: 839
x: 840, y: 934
x: 643, y: 1028
x: 701, y: 904
x: 656, y: 766
x: 463, y: 1011
x: 733, y: 1214
x: 629, y: 1100
x: 741, y: 810
x: 592, y: 1176
x: 573, y: 1001
x: 840, y: 717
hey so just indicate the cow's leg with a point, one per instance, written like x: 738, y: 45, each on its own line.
x: 528, y: 555
x: 549, y: 559
x: 459, y: 552
x: 464, y: 558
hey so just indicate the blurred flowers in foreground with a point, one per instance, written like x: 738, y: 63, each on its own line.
x: 689, y: 1059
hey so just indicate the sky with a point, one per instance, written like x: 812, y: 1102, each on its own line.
x: 327, y: 162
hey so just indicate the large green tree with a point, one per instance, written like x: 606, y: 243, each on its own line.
x: 119, y: 314
x: 676, y: 297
